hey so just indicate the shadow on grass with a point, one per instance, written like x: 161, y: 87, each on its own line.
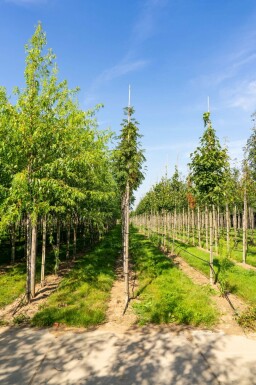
x: 166, y: 294
x: 82, y: 296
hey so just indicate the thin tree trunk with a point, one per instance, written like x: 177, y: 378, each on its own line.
x: 193, y: 227
x: 206, y: 227
x: 57, y: 250
x: 74, y: 237
x: 215, y: 228
x: 68, y: 240
x: 13, y: 240
x: 28, y: 248
x: 199, y: 226
x: 33, y: 257
x: 245, y: 227
x: 235, y: 225
x: 188, y: 225
x: 43, y: 250
x: 211, y: 248
x: 126, y: 243
x: 228, y: 229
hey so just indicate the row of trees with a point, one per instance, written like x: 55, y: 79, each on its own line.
x: 215, y: 199
x: 57, y: 176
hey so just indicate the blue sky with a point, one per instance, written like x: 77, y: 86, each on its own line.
x: 174, y: 53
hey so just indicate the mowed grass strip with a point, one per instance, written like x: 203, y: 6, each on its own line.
x: 13, y: 277
x: 82, y: 297
x: 166, y: 294
x: 234, y: 279
x: 12, y: 283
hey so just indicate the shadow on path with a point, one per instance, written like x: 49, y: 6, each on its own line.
x: 152, y: 356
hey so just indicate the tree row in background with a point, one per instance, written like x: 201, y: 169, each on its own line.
x: 213, y: 207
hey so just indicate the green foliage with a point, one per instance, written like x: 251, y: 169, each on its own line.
x: 251, y: 150
x: 53, y: 159
x: 167, y: 195
x: 128, y: 156
x: 209, y: 166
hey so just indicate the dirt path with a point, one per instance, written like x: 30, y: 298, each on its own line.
x: 117, y: 320
x: 227, y: 321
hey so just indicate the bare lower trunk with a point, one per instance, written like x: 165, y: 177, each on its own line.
x: 206, y: 228
x: 74, y: 238
x: 215, y: 228
x: 227, y: 229
x: 245, y: 227
x: 68, y: 240
x: 28, y: 249
x: 33, y: 257
x: 235, y: 225
x: 126, y: 243
x: 13, y: 240
x: 43, y: 251
x: 57, y: 250
x: 199, y: 226
x: 211, y: 248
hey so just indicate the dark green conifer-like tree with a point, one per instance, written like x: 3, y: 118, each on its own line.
x: 129, y: 159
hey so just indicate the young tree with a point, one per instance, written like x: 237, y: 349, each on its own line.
x: 208, y: 169
x: 208, y: 166
x: 128, y: 158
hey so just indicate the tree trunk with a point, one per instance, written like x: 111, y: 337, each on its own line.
x: 227, y: 229
x: 211, y: 249
x: 28, y: 248
x: 206, y: 228
x: 235, y: 226
x: 215, y: 228
x: 74, y: 237
x: 68, y: 240
x: 245, y: 214
x: 33, y: 257
x: 43, y: 250
x: 126, y: 243
x: 57, y: 249
x: 13, y: 240
x: 188, y: 226
x: 199, y: 227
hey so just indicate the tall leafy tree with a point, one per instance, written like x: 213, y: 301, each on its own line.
x: 209, y: 165
x: 129, y: 159
x: 208, y: 171
x: 53, y: 160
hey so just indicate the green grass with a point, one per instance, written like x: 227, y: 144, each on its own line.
x: 236, y: 247
x: 13, y: 277
x: 165, y: 294
x: 82, y: 297
x: 237, y: 279
x: 12, y: 283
